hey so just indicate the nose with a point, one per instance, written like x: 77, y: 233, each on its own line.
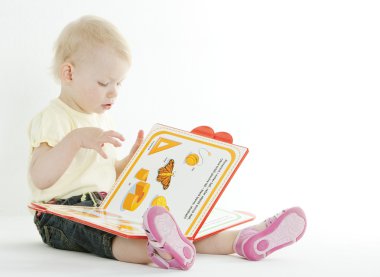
x: 113, y: 92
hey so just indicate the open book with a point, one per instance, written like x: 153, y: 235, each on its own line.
x: 185, y: 172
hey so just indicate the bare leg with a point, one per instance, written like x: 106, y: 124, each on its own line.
x: 134, y: 250
x: 130, y: 250
x: 219, y: 244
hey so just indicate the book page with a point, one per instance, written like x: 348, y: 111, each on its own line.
x: 183, y: 172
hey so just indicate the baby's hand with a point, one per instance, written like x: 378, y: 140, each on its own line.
x: 95, y: 138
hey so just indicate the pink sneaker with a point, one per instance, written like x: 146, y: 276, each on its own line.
x: 281, y: 230
x: 164, y: 235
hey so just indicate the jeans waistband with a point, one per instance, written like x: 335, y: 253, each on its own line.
x: 95, y: 197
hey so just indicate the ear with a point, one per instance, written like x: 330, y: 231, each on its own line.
x: 67, y: 72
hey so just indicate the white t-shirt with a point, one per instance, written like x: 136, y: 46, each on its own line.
x: 88, y: 171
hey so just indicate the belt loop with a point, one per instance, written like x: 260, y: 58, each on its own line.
x: 83, y: 198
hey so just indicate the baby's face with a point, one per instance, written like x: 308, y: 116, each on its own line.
x: 96, y: 81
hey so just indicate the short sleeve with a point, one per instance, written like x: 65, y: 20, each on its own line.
x: 49, y: 126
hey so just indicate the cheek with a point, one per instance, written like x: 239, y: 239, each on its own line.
x: 86, y: 94
x: 95, y: 93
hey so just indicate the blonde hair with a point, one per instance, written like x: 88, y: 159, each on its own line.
x: 85, y: 34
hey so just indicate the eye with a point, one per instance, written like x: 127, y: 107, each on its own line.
x: 102, y: 84
x: 119, y: 84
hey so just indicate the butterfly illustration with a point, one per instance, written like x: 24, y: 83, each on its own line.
x: 165, y: 174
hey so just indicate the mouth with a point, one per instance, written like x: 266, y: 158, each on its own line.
x: 107, y: 106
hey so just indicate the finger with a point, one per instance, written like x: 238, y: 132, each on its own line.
x: 140, y: 134
x: 113, y: 141
x: 139, y: 140
x: 134, y: 149
x: 115, y: 134
x: 101, y: 152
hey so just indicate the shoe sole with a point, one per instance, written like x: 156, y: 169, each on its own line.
x: 285, y: 230
x: 164, y: 232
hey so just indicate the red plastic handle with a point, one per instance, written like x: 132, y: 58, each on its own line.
x: 207, y: 131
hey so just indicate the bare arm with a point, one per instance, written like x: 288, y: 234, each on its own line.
x: 120, y: 165
x: 49, y: 163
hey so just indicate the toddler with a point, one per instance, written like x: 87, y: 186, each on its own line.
x: 73, y: 162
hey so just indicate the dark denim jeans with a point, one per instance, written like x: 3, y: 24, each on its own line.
x: 64, y: 234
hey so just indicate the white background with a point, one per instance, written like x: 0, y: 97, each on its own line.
x: 297, y: 82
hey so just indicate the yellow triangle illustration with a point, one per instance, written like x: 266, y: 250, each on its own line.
x: 163, y: 144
